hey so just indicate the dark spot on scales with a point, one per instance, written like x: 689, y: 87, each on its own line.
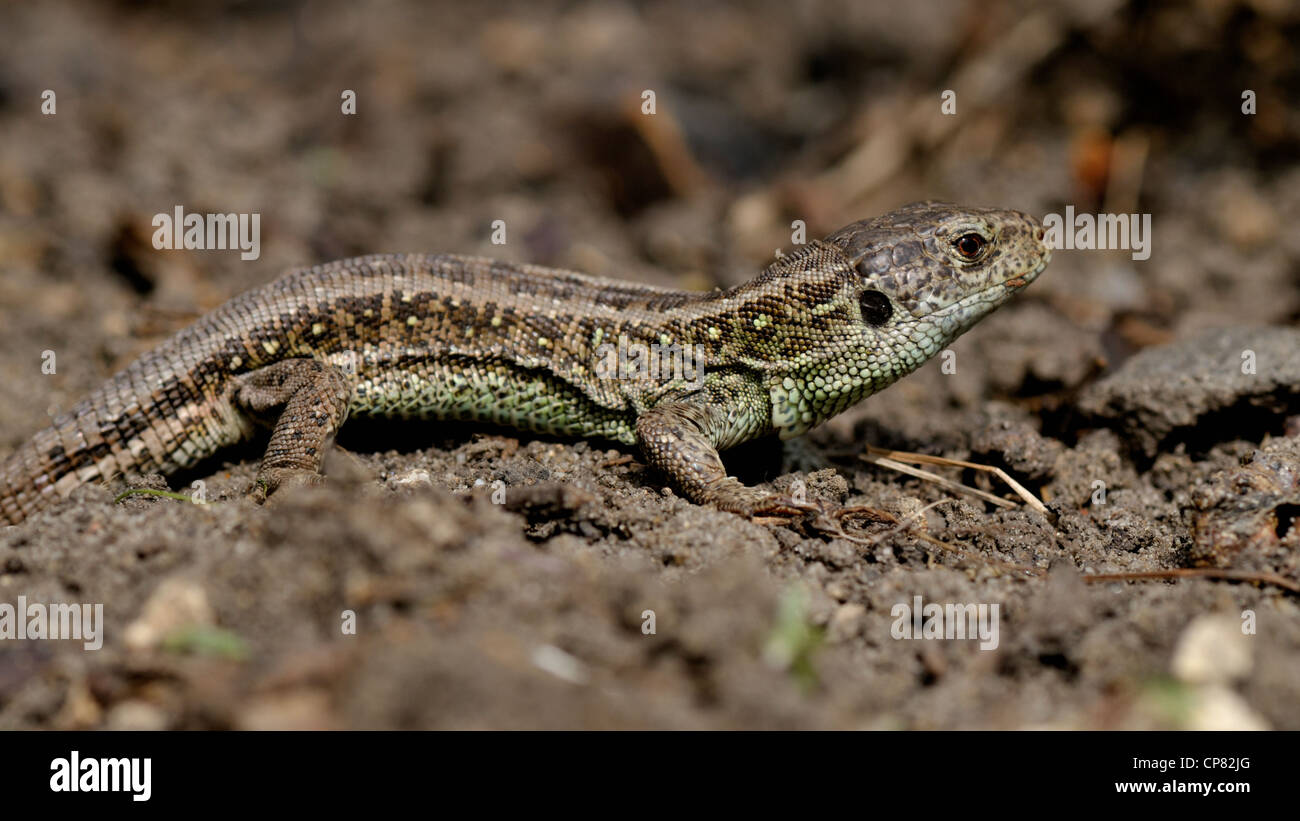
x: 875, y: 264
x: 905, y: 252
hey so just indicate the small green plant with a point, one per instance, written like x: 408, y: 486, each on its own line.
x: 794, y: 638
x: 206, y: 641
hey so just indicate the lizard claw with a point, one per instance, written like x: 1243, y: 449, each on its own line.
x: 274, y: 479
x: 258, y: 492
x: 785, y: 509
x: 824, y: 517
x: 786, y: 506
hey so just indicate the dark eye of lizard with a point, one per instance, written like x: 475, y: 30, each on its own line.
x: 876, y: 308
x: 970, y: 246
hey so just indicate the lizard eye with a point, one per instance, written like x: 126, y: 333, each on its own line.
x: 970, y: 246
x: 876, y: 307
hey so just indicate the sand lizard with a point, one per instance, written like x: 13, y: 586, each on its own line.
x: 452, y: 337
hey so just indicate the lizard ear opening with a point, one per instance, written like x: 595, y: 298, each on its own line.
x: 876, y: 308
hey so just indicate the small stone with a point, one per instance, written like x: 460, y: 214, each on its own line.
x: 560, y: 664
x: 135, y: 715
x: 1212, y: 650
x: 846, y: 622
x: 177, y: 603
x: 837, y: 590
x: 303, y: 709
x: 1219, y: 708
x: 414, y: 478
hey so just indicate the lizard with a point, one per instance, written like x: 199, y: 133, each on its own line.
x: 469, y: 338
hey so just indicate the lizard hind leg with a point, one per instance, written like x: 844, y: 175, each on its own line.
x: 312, y: 398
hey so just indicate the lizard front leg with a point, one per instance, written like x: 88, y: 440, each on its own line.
x: 314, y: 398
x: 681, y: 437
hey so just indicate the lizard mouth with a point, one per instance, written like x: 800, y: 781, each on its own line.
x: 1021, y: 280
x: 990, y: 296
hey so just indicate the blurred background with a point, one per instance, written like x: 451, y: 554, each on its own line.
x: 768, y: 112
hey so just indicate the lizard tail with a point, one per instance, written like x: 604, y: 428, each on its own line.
x: 120, y: 428
x: 81, y: 446
x: 26, y: 487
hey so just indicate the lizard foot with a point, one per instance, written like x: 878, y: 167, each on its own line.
x: 827, y: 517
x: 765, y: 507
x: 730, y: 495
x: 779, y: 509
x: 270, y: 481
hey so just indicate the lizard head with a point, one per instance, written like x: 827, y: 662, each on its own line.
x: 940, y: 261
x: 885, y: 295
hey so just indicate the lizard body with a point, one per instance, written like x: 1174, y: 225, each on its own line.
x: 547, y: 351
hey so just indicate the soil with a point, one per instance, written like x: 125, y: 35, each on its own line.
x: 455, y: 576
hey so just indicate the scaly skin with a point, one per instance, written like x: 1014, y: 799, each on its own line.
x: 467, y: 338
